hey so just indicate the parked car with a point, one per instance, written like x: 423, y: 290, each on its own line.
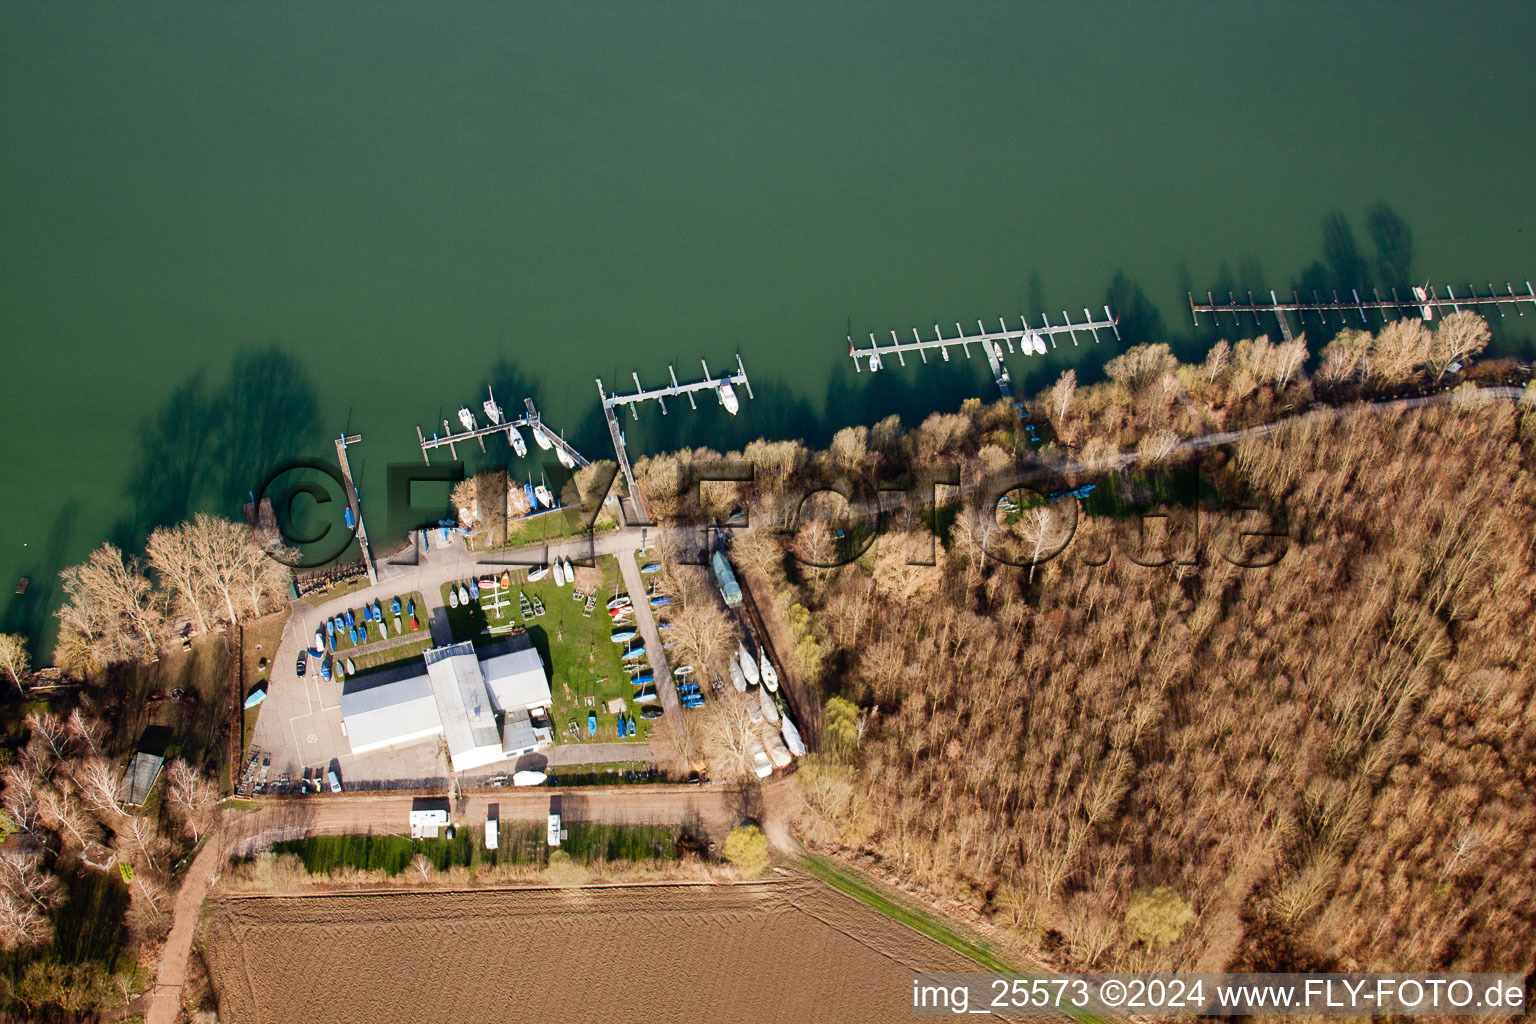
x: 303, y: 663
x: 330, y: 777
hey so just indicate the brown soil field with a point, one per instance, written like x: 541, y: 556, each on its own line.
x: 783, y: 950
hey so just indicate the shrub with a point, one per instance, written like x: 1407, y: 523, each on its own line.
x: 747, y: 848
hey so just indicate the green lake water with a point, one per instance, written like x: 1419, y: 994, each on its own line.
x: 229, y: 232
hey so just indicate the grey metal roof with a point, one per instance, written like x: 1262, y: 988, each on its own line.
x: 390, y: 713
x: 469, y: 721
x: 515, y: 678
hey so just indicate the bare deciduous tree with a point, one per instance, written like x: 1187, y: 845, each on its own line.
x: 192, y: 796
x: 173, y: 555
x: 1061, y: 399
x: 98, y: 783
x: 1457, y: 339
x: 111, y: 613
x: 14, y: 660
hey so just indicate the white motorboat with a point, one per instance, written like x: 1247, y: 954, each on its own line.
x: 467, y: 418
x: 529, y: 778
x: 748, y: 663
x: 534, y: 575
x: 770, y: 674
x: 737, y: 679
x: 559, y: 573
x: 728, y: 397
x: 770, y: 708
x: 1427, y: 312
x: 874, y: 362
x: 542, y: 493
x: 463, y: 595
x: 570, y: 572
x: 541, y: 436
x: 1039, y: 344
x: 792, y: 738
x: 515, y: 439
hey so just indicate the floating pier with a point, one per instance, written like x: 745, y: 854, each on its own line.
x: 532, y: 419
x: 1026, y: 339
x: 724, y: 388
x: 1423, y: 302
x: 342, y: 440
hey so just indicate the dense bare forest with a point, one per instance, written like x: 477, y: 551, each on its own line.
x: 1325, y: 763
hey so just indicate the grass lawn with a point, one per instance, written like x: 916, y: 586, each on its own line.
x: 547, y: 526
x: 898, y: 907
x: 584, y: 664
x: 398, y: 625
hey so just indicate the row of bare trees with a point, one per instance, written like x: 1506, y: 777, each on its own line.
x: 120, y: 608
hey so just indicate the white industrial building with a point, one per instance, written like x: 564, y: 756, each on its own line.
x: 485, y: 710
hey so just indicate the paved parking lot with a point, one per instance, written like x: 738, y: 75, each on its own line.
x: 299, y: 726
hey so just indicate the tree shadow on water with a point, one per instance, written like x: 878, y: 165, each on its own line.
x: 207, y: 449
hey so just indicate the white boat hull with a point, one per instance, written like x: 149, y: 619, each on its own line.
x: 748, y: 664
x: 737, y: 679
x: 770, y: 709
x: 770, y: 674
x: 728, y: 398
x: 515, y: 439
x: 792, y: 738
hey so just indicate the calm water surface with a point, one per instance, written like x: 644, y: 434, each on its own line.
x: 228, y: 232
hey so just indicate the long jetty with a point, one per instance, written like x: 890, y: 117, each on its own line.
x: 660, y: 396
x: 1424, y: 303
x: 1026, y: 339
x: 342, y: 440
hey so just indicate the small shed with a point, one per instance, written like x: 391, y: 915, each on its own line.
x: 140, y: 778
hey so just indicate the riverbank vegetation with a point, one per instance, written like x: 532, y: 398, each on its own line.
x: 1137, y: 754
x: 198, y: 575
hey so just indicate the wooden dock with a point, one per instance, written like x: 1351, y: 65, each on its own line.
x: 660, y: 396
x: 1424, y: 302
x: 342, y: 441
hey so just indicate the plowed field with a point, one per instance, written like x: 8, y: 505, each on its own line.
x: 783, y: 950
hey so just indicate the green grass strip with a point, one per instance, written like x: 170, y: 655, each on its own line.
x: 872, y: 894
